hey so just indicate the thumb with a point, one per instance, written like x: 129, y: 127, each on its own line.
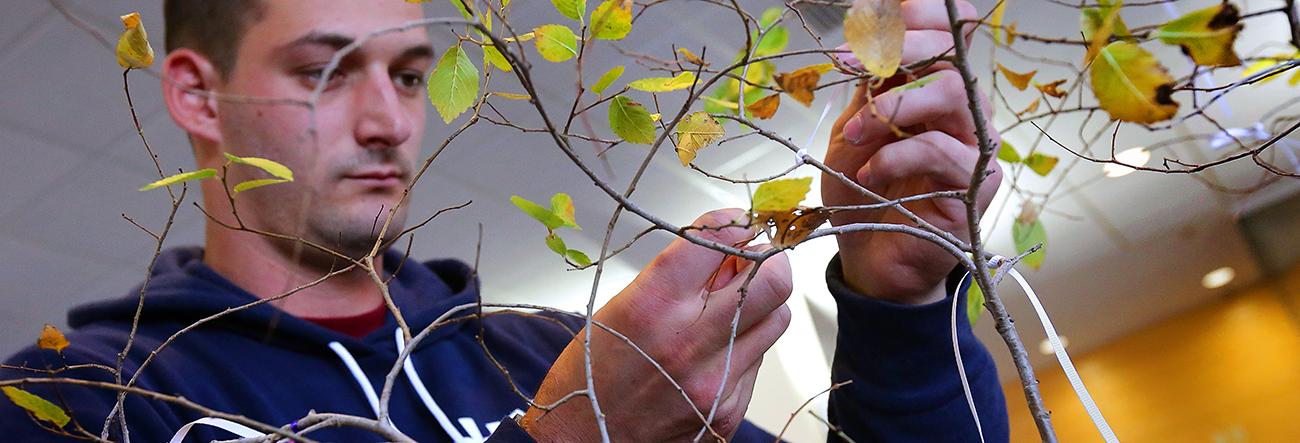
x: 686, y: 267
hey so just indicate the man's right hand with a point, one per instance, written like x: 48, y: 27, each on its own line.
x: 680, y: 314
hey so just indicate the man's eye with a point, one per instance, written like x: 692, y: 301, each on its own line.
x: 313, y: 75
x: 409, y: 80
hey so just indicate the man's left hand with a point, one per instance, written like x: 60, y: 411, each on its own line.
x: 937, y: 152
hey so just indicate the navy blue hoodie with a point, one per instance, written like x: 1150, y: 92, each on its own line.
x: 273, y: 367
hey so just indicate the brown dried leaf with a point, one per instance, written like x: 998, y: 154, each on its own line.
x: 1033, y: 106
x: 791, y: 227
x: 1052, y: 88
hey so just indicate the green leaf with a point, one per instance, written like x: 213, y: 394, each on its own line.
x: 611, y: 21
x: 254, y: 184
x: 272, y: 167
x: 491, y: 56
x: 461, y: 7
x: 577, y: 257
x: 607, y: 78
x: 664, y: 84
x: 775, y: 39
x: 630, y: 121
x: 1131, y: 85
x: 918, y: 83
x: 556, y: 43
x: 562, y: 207
x: 1094, y: 19
x: 1026, y: 235
x: 721, y: 100
x: 537, y: 212
x: 184, y: 176
x: 974, y: 301
x: 556, y: 243
x: 781, y: 195
x: 453, y: 85
x: 1207, y: 35
x: 573, y: 9
x: 39, y: 407
x: 694, y: 132
x: 1042, y: 164
x: 1007, y: 153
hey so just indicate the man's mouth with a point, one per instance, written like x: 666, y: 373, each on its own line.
x: 378, y: 178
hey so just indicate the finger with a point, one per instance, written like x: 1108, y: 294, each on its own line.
x: 941, y: 101
x: 933, y: 14
x: 933, y: 154
x: 768, y: 290
x: 921, y: 45
x: 739, y: 395
x: 683, y: 269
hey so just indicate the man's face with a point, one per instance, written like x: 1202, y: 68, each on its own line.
x: 368, y: 122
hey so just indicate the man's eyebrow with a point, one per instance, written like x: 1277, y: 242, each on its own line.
x: 417, y: 52
x: 315, y: 38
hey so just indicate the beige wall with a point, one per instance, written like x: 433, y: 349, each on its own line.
x: 1225, y: 372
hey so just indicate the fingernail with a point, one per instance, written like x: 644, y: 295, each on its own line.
x: 853, y: 130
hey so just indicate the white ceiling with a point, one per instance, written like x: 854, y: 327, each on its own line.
x: 1122, y: 253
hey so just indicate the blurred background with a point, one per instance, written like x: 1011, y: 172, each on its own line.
x: 1179, y: 295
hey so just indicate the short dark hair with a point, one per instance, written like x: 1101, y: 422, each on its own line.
x: 213, y: 28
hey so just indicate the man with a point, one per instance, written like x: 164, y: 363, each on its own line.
x: 327, y: 347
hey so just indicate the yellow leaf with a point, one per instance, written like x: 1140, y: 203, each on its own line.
x: 664, y: 84
x: 874, y: 31
x: 52, y: 339
x: 1011, y: 38
x: 764, y: 108
x: 1131, y: 84
x: 254, y: 184
x: 655, y: 117
x: 1107, y: 22
x: 1017, y: 80
x: 607, y: 78
x: 270, y: 166
x: 1000, y: 36
x: 522, y: 37
x: 691, y: 57
x: 1041, y: 164
x: 800, y: 83
x: 725, y: 103
x: 694, y: 132
x: 781, y: 194
x: 1206, y: 34
x: 184, y: 176
x: 133, y: 50
x: 1051, y: 88
x: 788, y: 228
x: 611, y: 20
x: 40, y: 408
x: 1294, y: 80
x: 1033, y: 106
x: 512, y: 96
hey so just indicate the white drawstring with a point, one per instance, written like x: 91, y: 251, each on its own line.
x: 427, y: 399
x: 1052, y: 338
x: 229, y: 426
x: 360, y: 377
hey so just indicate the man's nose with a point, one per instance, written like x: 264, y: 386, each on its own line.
x: 382, y: 119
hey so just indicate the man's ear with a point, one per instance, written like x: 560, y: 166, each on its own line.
x: 189, y: 84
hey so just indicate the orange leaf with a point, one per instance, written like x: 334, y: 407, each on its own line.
x: 765, y: 107
x: 1018, y: 80
x: 800, y: 83
x: 52, y: 339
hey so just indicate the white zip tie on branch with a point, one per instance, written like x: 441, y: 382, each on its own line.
x: 1063, y: 357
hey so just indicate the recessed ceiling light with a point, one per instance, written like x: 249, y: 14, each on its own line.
x: 1045, y: 347
x: 1136, y: 156
x: 1218, y: 278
